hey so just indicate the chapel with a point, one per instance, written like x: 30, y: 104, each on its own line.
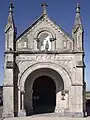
x: 44, y: 68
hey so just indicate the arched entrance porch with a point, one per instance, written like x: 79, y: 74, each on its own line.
x: 58, y: 75
x: 41, y: 88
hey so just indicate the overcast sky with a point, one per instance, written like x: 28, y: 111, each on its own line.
x: 61, y: 11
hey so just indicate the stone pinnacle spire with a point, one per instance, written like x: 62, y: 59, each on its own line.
x: 77, y: 18
x: 10, y: 22
x: 10, y: 16
x: 44, y: 8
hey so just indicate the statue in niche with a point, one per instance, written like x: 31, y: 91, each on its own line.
x: 46, y: 46
x: 44, y: 42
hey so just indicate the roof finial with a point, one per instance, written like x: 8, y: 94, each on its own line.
x: 44, y: 8
x: 10, y: 21
x: 10, y: 16
x: 78, y: 8
x: 11, y: 7
x: 77, y: 18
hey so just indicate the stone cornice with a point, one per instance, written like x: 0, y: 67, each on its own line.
x: 82, y: 66
x: 76, y: 84
x: 7, y: 85
x: 43, y: 52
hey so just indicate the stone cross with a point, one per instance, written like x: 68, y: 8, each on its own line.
x: 11, y: 7
x: 78, y: 8
x: 44, y: 8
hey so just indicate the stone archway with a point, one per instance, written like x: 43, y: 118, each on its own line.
x: 44, y: 95
x: 36, y: 79
x: 49, y: 65
x: 60, y: 77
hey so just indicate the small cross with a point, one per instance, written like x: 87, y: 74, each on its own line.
x: 11, y: 6
x: 44, y: 8
x: 78, y: 8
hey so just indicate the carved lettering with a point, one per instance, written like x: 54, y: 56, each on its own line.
x: 43, y: 57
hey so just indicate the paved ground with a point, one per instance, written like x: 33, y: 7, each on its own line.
x: 47, y: 117
x: 42, y: 117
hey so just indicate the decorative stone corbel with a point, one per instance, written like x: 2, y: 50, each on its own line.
x: 52, y: 39
x: 9, y: 64
x: 79, y: 64
x: 63, y: 95
x: 37, y: 39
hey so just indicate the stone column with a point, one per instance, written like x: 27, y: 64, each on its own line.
x: 54, y: 45
x: 22, y: 101
x: 58, y: 97
x: 19, y: 103
x: 22, y: 111
x: 52, y: 40
x: 36, y: 42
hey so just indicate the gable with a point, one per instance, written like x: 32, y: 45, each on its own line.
x: 60, y: 40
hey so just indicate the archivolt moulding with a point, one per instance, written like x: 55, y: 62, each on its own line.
x: 62, y: 72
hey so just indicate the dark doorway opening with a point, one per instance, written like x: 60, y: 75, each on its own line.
x: 88, y: 107
x: 44, y: 95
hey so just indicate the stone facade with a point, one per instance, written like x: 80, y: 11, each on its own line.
x: 44, y: 50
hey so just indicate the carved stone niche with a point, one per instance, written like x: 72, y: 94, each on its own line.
x: 9, y: 64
